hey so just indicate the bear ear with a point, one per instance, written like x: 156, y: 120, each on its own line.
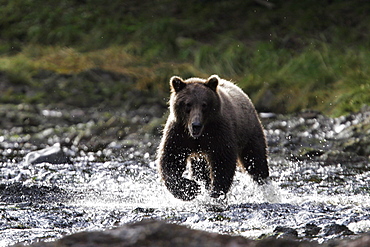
x: 212, y: 82
x: 177, y: 84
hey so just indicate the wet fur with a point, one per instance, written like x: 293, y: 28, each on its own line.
x: 230, y: 133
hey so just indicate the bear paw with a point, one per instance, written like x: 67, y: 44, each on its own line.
x: 217, y: 194
x: 184, y: 189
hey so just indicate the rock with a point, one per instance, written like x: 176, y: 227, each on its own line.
x: 53, y: 155
x: 309, y: 153
x: 336, y: 156
x: 336, y: 229
x: 285, y: 242
x: 285, y: 232
x: 159, y: 233
x: 362, y: 241
x: 356, y: 137
x: 269, y: 115
x: 311, y: 230
x: 360, y: 146
x: 18, y: 192
x: 148, y: 233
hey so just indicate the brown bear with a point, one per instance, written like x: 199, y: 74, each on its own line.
x: 212, y: 125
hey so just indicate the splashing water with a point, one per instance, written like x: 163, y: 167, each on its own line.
x: 248, y: 209
x: 50, y: 200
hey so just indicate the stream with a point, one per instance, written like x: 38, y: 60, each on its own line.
x: 319, y: 167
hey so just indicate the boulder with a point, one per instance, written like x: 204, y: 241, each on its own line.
x: 148, y: 233
x: 160, y: 233
x: 53, y: 155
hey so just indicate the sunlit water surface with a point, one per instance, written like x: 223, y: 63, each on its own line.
x: 102, y: 195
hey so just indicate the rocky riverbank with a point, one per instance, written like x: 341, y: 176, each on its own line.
x: 307, y: 135
x: 25, y: 128
x: 319, y: 167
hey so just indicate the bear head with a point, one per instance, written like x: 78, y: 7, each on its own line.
x: 194, y: 102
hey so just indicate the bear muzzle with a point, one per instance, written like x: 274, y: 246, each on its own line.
x: 196, y: 129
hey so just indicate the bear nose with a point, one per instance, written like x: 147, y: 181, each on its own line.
x: 196, y: 127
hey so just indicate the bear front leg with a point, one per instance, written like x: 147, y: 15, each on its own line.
x: 254, y: 159
x: 172, y: 165
x: 223, y: 165
x: 201, y: 170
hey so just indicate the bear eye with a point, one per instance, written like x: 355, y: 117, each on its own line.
x: 204, y: 106
x: 188, y: 107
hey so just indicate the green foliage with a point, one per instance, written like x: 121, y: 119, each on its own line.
x: 293, y: 56
x: 20, y: 69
